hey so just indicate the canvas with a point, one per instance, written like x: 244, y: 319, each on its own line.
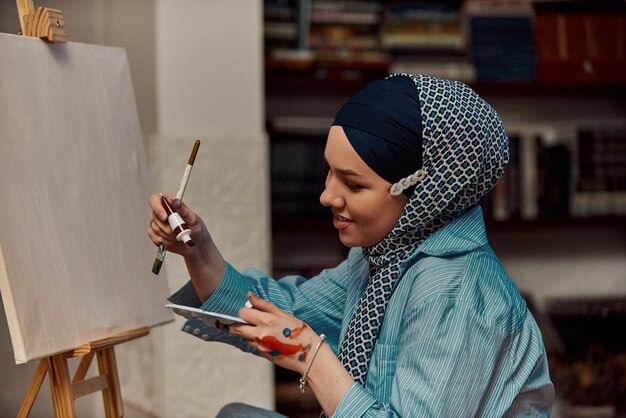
x: 75, y: 261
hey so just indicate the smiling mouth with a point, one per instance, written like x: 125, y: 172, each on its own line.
x: 341, y: 222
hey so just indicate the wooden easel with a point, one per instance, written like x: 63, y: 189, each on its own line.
x: 42, y: 23
x: 65, y: 391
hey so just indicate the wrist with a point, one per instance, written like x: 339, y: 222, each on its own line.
x: 325, y: 355
x: 312, y: 358
x: 206, y: 267
x: 310, y: 341
x: 200, y: 254
x: 328, y: 379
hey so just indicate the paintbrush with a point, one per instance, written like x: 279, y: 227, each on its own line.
x: 160, y: 257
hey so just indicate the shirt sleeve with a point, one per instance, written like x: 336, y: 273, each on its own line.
x: 318, y: 301
x: 450, y: 363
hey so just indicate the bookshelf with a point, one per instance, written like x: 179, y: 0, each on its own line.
x: 539, y: 42
x: 561, y: 94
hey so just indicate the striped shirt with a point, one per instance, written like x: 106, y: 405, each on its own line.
x: 457, y: 338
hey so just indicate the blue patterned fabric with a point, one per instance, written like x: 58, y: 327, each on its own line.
x: 457, y: 339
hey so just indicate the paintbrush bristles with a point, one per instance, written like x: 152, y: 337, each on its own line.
x: 156, y: 267
x: 194, y: 151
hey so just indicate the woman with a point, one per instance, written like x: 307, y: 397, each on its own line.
x: 421, y: 318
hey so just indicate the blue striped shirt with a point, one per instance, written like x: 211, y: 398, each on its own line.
x: 457, y: 338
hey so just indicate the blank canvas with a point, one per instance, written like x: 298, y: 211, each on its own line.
x: 75, y: 260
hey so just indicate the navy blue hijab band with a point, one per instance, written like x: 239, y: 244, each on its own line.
x: 383, y: 124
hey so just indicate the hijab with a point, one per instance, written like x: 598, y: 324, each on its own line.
x: 463, y: 151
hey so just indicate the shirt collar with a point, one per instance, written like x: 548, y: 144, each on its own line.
x: 461, y: 235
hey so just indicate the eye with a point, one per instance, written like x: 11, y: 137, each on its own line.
x: 353, y: 186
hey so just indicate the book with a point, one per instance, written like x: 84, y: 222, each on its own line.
x: 298, y: 171
x: 499, y: 202
x: 502, y: 48
x: 600, y: 186
x: 528, y: 152
x: 422, y: 27
x: 555, y: 171
x: 450, y: 67
x: 580, y: 42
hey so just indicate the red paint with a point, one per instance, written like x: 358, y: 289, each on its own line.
x: 169, y: 209
x: 297, y: 331
x: 271, y: 343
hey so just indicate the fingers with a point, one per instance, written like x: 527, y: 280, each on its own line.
x: 255, y: 317
x: 263, y: 305
x: 261, y: 349
x: 184, y: 211
x: 157, y: 206
x: 247, y: 332
x: 159, y: 232
x: 159, y: 229
x: 159, y: 239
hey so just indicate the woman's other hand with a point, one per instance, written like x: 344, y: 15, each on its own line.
x: 281, y: 338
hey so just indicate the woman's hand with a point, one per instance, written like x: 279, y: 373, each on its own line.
x: 160, y: 232
x: 281, y: 338
x: 289, y: 343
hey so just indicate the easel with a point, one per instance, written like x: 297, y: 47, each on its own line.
x: 65, y: 391
x: 42, y: 23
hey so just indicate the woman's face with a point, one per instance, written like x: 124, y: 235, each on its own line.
x: 364, y: 210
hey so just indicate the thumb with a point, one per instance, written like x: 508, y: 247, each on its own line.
x: 184, y: 211
x: 262, y: 304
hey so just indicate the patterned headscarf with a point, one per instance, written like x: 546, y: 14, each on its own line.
x: 465, y: 151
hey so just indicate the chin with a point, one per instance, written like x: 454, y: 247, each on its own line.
x: 352, y: 242
x: 347, y: 241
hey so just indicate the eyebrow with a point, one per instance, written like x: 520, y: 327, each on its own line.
x: 345, y: 172
x: 348, y: 173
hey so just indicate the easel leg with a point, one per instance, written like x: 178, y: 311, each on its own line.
x: 65, y: 391
x: 112, y: 396
x: 83, y: 367
x: 60, y: 387
x: 33, y: 389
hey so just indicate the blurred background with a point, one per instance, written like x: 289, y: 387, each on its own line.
x: 556, y: 73
x: 267, y: 77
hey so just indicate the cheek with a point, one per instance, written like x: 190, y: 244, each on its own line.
x: 378, y: 215
x: 387, y: 220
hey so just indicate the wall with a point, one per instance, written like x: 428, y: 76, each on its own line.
x: 197, y: 73
x: 209, y: 86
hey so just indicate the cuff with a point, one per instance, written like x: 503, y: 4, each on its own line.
x: 355, y: 403
x: 186, y: 296
x: 231, y: 294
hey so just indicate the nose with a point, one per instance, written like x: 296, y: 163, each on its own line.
x: 330, y: 198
